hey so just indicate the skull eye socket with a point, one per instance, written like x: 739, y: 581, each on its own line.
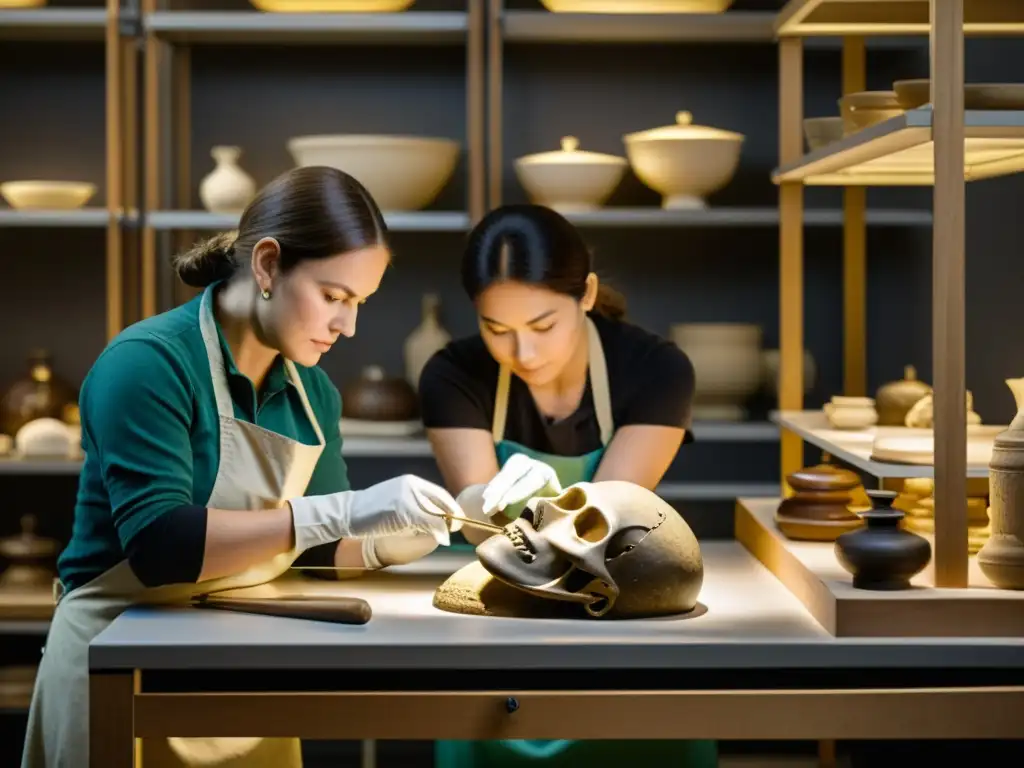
x: 572, y: 500
x: 590, y: 525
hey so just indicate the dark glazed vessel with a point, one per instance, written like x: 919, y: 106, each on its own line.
x: 376, y: 397
x: 882, y: 555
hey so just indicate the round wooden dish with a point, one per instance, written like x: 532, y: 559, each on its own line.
x: 914, y: 94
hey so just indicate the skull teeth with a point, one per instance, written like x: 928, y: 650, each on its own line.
x: 515, y: 535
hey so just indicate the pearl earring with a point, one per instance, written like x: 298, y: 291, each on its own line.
x: 266, y: 295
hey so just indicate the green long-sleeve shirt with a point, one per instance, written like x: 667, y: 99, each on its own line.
x: 151, y: 439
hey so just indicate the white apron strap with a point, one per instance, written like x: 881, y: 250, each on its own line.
x: 598, y: 385
x: 218, y: 371
x: 294, y: 376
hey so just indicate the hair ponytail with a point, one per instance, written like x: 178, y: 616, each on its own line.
x: 609, y: 303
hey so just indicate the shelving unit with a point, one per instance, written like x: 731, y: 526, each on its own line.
x: 942, y: 146
x: 102, y: 24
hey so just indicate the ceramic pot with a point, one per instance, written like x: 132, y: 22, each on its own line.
x: 570, y: 180
x: 867, y: 108
x: 47, y: 195
x: 726, y: 359
x: 39, y: 394
x: 882, y: 556
x: 894, y: 400
x: 1002, y: 557
x: 684, y: 163
x: 376, y: 397
x: 426, y: 339
x: 822, y: 131
x: 227, y: 188
x: 819, y: 510
x: 850, y: 412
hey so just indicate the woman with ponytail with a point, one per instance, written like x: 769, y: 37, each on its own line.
x: 557, y: 388
x: 213, y: 454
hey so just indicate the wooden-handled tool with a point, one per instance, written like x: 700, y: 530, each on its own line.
x: 337, y: 610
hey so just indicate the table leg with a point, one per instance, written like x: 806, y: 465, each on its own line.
x: 112, y: 720
x: 369, y: 753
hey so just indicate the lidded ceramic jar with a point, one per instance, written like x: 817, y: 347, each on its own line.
x: 894, y: 400
x: 376, y: 397
x: 882, y: 555
x: 819, y: 510
x: 685, y: 163
x: 570, y: 180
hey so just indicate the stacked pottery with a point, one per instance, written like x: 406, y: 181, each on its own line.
x: 851, y: 412
x: 726, y: 359
x: 1002, y: 557
x: 882, y: 555
x: 819, y: 508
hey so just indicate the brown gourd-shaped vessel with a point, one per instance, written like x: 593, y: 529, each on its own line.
x: 374, y: 396
x: 29, y: 558
x: 882, y: 555
x: 819, y: 510
x: 39, y: 394
x: 894, y: 400
x: 1002, y: 557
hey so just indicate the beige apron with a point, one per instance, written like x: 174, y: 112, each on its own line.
x: 258, y: 469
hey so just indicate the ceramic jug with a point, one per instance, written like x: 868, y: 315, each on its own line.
x: 426, y: 339
x: 227, y: 188
x: 1002, y: 557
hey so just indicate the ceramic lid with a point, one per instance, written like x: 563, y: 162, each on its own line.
x: 683, y: 129
x: 570, y: 153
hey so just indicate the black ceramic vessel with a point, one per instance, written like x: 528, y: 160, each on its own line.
x: 882, y: 555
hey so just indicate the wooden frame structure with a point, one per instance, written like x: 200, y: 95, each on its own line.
x: 940, y: 139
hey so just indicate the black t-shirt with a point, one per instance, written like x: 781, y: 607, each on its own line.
x: 651, y: 382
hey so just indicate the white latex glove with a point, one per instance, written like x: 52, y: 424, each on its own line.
x: 402, y: 505
x: 382, y: 551
x: 520, y: 479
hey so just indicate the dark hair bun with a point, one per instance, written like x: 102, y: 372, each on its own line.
x: 207, y: 261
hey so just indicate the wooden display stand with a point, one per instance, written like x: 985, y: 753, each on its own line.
x: 935, y: 146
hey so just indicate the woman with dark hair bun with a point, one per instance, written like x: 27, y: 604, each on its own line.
x: 557, y: 388
x: 213, y: 454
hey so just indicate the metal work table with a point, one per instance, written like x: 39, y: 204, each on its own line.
x: 751, y: 663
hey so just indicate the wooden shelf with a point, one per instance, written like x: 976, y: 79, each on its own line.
x: 899, y: 152
x: 16, y: 466
x: 547, y: 27
x: 403, y: 221
x: 810, y: 571
x: 800, y: 18
x: 727, y: 491
x: 53, y: 24
x: 408, y: 28
x: 854, y: 446
x: 81, y: 217
x: 736, y: 217
x: 34, y: 606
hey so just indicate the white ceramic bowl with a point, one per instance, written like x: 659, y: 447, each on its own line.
x: 636, y: 6
x: 332, y: 6
x: 403, y: 173
x: 47, y: 195
x: 726, y: 360
x: 570, y: 180
x: 684, y: 163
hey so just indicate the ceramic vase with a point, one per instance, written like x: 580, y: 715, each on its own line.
x: 227, y: 188
x: 426, y: 339
x: 1002, y: 557
x: 726, y: 360
x: 882, y: 555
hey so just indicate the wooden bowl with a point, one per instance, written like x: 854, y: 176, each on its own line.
x: 866, y: 108
x: 914, y: 94
x: 820, y: 131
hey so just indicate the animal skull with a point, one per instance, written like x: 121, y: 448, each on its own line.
x: 613, y: 546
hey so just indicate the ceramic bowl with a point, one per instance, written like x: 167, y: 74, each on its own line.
x: 570, y: 180
x: 331, y: 6
x: 402, y: 173
x: 637, y: 6
x: 47, y: 195
x: 851, y: 412
x: 820, y: 131
x: 866, y: 108
x: 685, y: 163
x: 913, y: 94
